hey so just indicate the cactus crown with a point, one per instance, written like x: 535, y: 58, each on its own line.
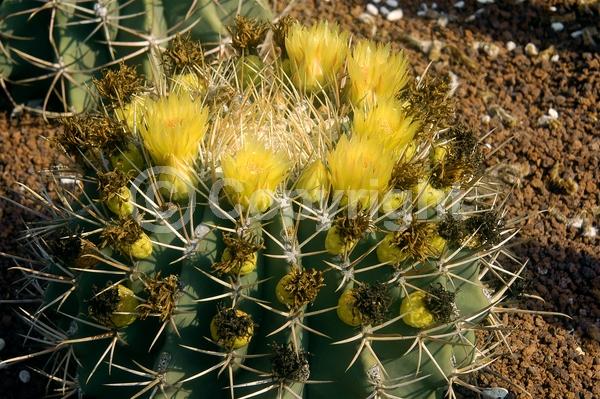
x: 246, y: 223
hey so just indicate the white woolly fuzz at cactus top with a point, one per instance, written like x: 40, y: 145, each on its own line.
x: 300, y: 217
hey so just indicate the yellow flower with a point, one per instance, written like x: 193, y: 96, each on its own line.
x: 376, y: 73
x: 313, y: 183
x: 173, y: 128
x: 360, y: 170
x: 386, y: 123
x: 415, y: 312
x: 188, y: 83
x: 252, y: 175
x: 316, y: 53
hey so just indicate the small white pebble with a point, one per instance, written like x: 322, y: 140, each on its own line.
x: 384, y: 11
x: 485, y: 119
x: 2, y: 344
x: 454, y: 83
x: 510, y: 45
x: 590, y: 231
x: 491, y: 50
x: 555, y: 58
x: 372, y: 9
x: 544, y: 120
x: 531, y: 49
x: 367, y: 18
x: 494, y: 393
x: 576, y: 222
x: 552, y: 113
x: 392, y: 3
x: 557, y: 26
x: 24, y: 376
x: 459, y: 4
x: 576, y: 34
x: 485, y: 1
x: 442, y: 21
x: 395, y: 15
x: 553, y: 9
x: 67, y: 181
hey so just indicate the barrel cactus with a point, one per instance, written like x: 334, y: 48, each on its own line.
x: 52, y: 50
x: 311, y: 222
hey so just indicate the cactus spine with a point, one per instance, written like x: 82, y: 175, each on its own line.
x: 53, y: 50
x: 288, y: 245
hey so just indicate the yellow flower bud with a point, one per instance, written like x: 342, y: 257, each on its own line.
x: 189, y: 83
x: 129, y: 160
x: 127, y: 304
x: 393, y: 201
x: 299, y: 287
x: 140, y: 249
x: 313, y: 183
x: 388, y: 251
x: 376, y: 73
x: 283, y: 295
x: 234, y: 342
x: 439, y: 154
x: 428, y: 196
x: 438, y: 244
x: 248, y: 70
x: 415, y: 312
x: 248, y: 265
x: 316, y: 54
x: 120, y: 203
x: 335, y: 244
x: 346, y: 309
x: 176, y: 186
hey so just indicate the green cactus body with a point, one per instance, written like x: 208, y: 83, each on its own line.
x: 56, y: 49
x: 247, y: 286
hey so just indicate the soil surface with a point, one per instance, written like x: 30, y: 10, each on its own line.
x: 540, y: 98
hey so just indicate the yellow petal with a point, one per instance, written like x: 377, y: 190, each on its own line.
x: 376, y: 73
x: 360, y: 170
x: 317, y: 54
x: 252, y: 176
x: 173, y: 129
